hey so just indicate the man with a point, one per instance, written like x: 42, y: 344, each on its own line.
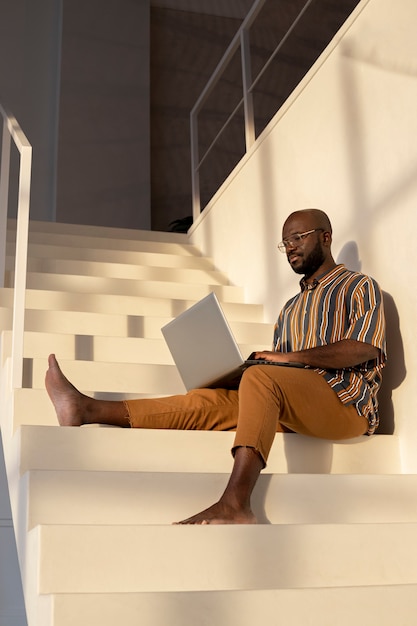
x: 335, y: 326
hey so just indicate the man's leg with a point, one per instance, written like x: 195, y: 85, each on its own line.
x: 274, y: 399
x: 234, y: 505
x: 200, y: 409
x: 74, y: 408
x: 258, y: 422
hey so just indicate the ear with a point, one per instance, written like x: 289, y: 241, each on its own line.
x: 327, y: 238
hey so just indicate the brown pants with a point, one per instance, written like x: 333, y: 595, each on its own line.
x: 270, y: 399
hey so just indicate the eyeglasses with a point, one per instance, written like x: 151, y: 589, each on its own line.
x: 295, y: 239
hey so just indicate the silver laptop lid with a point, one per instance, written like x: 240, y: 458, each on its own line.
x: 202, y: 344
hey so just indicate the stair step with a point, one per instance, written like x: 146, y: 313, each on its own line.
x: 100, y: 348
x: 107, y: 238
x: 89, y: 376
x: 154, y: 259
x: 146, y: 498
x: 144, y: 342
x: 168, y: 245
x: 92, y: 559
x: 123, y: 271
x: 48, y: 228
x: 42, y: 412
x: 382, y: 605
x: 137, y: 450
x: 79, y: 323
x: 127, y: 287
x: 59, y: 300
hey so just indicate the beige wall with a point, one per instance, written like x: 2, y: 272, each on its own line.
x: 344, y: 142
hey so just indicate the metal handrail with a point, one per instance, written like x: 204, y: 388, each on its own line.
x: 240, y: 40
x: 12, y: 131
x: 281, y: 43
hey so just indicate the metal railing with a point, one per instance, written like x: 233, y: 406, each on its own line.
x: 12, y: 131
x: 241, y: 40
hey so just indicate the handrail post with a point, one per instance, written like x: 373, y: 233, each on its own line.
x: 22, y: 235
x: 247, y: 93
x: 12, y: 130
x: 4, y: 198
x: 195, y: 173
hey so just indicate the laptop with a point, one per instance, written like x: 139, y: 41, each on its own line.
x: 204, y: 349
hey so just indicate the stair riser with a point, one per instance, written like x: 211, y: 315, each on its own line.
x: 102, y: 303
x: 123, y: 271
x: 50, y: 230
x: 104, y: 243
x: 154, y: 259
x: 101, y: 349
x: 144, y: 498
x: 373, y: 606
x: 110, y: 243
x: 108, y: 559
x: 119, y: 449
x: 127, y: 287
x: 116, y: 377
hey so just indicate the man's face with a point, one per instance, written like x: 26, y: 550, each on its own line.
x: 307, y: 259
x: 307, y: 255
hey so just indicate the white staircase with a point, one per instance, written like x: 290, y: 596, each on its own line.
x: 93, y: 507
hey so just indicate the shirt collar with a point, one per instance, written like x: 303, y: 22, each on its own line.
x: 305, y: 286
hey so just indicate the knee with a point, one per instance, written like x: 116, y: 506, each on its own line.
x: 256, y: 375
x: 265, y: 379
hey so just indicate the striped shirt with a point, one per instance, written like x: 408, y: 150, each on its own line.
x: 341, y: 304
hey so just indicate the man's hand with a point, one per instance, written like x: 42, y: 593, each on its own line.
x: 277, y: 357
x: 339, y: 355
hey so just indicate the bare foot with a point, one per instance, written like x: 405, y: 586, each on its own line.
x: 67, y: 400
x: 221, y: 513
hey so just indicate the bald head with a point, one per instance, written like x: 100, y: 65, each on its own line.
x: 314, y: 217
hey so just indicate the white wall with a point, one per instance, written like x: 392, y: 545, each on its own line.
x: 344, y: 142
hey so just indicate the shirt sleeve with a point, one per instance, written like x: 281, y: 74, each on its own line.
x: 366, y: 316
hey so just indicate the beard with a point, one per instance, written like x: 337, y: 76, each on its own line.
x: 310, y: 264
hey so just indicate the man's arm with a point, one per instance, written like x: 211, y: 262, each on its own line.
x: 339, y: 355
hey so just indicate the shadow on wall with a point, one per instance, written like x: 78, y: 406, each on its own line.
x: 395, y: 370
